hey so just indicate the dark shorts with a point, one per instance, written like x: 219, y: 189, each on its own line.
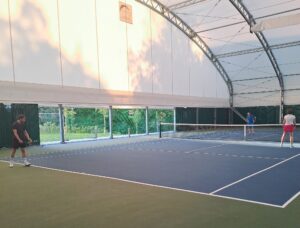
x: 17, y: 145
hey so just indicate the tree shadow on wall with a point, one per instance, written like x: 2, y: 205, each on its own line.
x: 36, y: 57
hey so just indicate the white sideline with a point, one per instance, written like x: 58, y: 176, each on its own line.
x: 254, y: 174
x: 153, y: 185
x: 291, y: 200
x: 241, y: 142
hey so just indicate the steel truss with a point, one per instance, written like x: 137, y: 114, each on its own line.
x: 251, y: 21
x: 168, y: 14
x: 260, y: 49
x: 184, y: 4
x: 165, y: 12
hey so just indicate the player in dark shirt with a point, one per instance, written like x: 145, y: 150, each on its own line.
x: 20, y: 138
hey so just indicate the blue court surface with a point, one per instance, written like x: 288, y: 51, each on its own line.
x: 260, y: 174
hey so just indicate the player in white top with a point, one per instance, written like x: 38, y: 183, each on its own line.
x: 289, y: 125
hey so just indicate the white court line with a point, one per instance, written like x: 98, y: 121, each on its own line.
x: 203, y: 148
x: 152, y: 185
x: 240, y: 142
x: 254, y: 174
x: 291, y: 200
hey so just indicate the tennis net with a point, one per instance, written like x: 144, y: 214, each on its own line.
x: 234, y: 132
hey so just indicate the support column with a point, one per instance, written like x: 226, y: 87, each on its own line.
x: 215, y: 115
x: 147, y: 120
x: 230, y: 114
x: 61, y: 123
x: 110, y: 116
x: 281, y: 107
x: 174, y: 119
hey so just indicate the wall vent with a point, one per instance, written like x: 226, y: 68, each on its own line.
x: 125, y: 12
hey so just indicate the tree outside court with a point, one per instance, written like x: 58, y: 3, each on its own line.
x: 82, y: 123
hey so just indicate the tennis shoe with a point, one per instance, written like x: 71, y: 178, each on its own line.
x: 11, y: 164
x: 27, y: 164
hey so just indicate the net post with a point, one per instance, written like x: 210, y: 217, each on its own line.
x: 61, y: 123
x: 159, y: 127
x: 230, y: 116
x: 281, y: 107
x: 245, y: 132
x: 215, y: 118
x: 174, y: 119
x: 147, y: 120
x: 110, y: 122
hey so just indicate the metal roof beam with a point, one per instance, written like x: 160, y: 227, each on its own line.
x: 251, y: 79
x: 165, y: 12
x: 257, y: 92
x: 242, y: 9
x: 250, y: 20
x: 265, y: 77
x: 254, y: 50
x: 269, y: 91
x: 184, y: 4
x: 242, y: 52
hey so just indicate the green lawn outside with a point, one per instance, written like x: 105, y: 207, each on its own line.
x: 53, y: 137
x: 49, y: 137
x: 34, y: 197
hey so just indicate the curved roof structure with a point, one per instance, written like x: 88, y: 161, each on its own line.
x: 254, y: 44
x: 173, y: 53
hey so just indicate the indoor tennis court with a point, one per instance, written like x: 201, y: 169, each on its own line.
x: 240, y: 172
x: 150, y: 113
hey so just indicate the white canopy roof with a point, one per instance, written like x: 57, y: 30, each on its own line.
x: 261, y: 64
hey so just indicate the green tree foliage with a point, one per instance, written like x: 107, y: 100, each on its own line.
x: 48, y: 114
x: 91, y: 122
x: 69, y: 114
x: 129, y: 120
x: 49, y: 124
x: 159, y: 115
x: 86, y: 120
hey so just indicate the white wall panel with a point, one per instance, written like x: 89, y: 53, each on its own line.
x: 258, y: 85
x: 79, y: 43
x: 100, y: 51
x: 196, y: 77
x: 161, y: 54
x: 283, y: 35
x: 112, y: 46
x: 139, y: 49
x: 205, y: 80
x: 288, y: 59
x: 35, y: 41
x: 222, y: 89
x: 181, y: 62
x: 44, y: 94
x: 6, y: 69
x: 257, y: 99
x: 222, y: 41
x: 292, y: 97
x: 292, y: 82
x: 210, y: 78
x: 254, y: 65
